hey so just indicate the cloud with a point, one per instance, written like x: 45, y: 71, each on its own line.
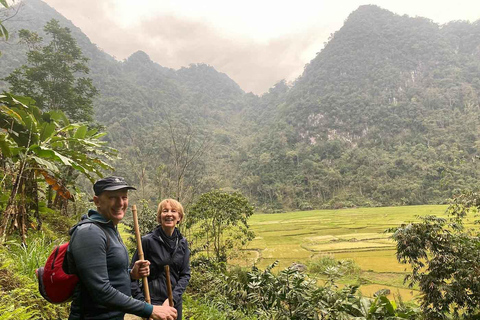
x: 174, y: 41
x: 255, y: 66
x: 176, y: 34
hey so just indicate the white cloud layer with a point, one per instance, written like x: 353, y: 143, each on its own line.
x: 256, y: 43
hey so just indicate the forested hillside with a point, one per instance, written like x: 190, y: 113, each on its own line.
x: 386, y: 114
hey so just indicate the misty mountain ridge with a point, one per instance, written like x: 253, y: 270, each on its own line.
x: 34, y: 14
x: 387, y: 113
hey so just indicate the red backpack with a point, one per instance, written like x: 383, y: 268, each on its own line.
x: 54, y: 284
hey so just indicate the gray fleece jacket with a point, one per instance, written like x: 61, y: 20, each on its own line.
x: 103, y: 291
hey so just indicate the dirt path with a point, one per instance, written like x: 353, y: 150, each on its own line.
x: 132, y: 317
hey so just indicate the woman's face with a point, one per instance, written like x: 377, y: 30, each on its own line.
x: 169, y: 217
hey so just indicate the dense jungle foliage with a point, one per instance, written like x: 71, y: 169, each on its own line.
x: 385, y: 114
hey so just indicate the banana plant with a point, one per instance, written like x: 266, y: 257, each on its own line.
x: 43, y: 145
x: 381, y: 308
x: 3, y: 30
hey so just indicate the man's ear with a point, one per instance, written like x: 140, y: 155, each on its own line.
x: 95, y: 200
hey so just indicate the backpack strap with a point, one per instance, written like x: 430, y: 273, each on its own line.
x: 101, y: 228
x: 68, y: 266
x: 106, y: 234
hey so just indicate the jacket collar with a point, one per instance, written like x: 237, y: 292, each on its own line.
x: 156, y: 232
x: 93, y: 215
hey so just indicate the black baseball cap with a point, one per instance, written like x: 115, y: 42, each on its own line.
x: 110, y: 184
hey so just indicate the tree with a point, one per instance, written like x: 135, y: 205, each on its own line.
x: 222, y: 219
x: 445, y: 260
x: 147, y: 221
x: 51, y: 77
x: 33, y: 145
x: 3, y: 30
x: 181, y: 171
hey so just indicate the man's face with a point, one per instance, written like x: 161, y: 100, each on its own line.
x: 112, y: 204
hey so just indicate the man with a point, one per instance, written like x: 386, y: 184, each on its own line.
x: 96, y: 253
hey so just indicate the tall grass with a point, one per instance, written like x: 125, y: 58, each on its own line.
x: 31, y: 255
x: 19, y: 295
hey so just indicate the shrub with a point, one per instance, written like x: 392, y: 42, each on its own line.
x: 324, y: 264
x: 18, y: 286
x: 27, y: 296
x: 443, y: 254
x: 287, y: 295
x: 12, y: 312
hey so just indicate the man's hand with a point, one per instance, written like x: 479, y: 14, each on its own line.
x: 163, y: 312
x: 166, y: 303
x: 140, y: 269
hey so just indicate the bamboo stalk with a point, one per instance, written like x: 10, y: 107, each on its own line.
x: 140, y: 252
x: 169, y: 285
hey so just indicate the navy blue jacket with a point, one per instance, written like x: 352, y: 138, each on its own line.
x: 155, y: 251
x: 103, y: 291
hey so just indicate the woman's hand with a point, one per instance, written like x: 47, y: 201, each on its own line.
x: 166, y: 303
x: 163, y: 312
x: 140, y: 269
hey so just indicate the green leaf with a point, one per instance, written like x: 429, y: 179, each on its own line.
x: 5, y: 146
x: 22, y: 101
x: 69, y: 127
x: 12, y: 114
x: 56, y: 144
x: 66, y: 161
x: 45, y: 164
x: 37, y: 114
x: 99, y: 135
x: 91, y: 132
x: 29, y: 120
x: 42, y: 152
x: 103, y: 164
x: 47, y: 130
x: 387, y: 304
x: 59, y: 116
x: 78, y: 167
x: 4, y: 3
x: 81, y: 132
x: 3, y: 32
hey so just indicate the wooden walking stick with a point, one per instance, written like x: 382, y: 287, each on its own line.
x: 140, y: 251
x: 169, y: 285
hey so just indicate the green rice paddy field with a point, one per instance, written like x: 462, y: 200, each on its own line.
x: 357, y: 234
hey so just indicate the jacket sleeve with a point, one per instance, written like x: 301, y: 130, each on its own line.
x: 184, y: 277
x: 137, y: 291
x: 89, y: 250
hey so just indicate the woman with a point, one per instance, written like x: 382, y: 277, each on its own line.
x: 165, y: 246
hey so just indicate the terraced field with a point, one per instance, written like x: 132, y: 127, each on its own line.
x: 357, y: 234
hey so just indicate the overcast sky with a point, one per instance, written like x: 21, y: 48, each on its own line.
x: 255, y: 42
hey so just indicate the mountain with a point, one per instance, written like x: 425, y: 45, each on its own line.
x: 386, y: 114
x: 126, y: 79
